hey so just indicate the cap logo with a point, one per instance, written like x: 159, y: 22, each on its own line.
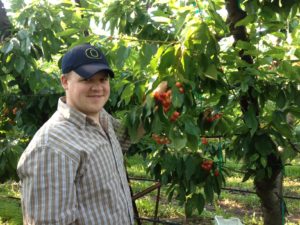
x: 92, y: 53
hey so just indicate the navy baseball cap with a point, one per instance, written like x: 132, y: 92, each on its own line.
x: 86, y: 60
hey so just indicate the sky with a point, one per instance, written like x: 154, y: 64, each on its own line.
x: 7, y: 2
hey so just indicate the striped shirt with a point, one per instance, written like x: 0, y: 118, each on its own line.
x: 72, y: 171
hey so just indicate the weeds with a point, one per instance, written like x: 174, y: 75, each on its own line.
x: 229, y: 204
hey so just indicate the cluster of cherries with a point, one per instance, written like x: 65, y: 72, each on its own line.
x: 174, y: 116
x: 207, y: 165
x: 214, y: 117
x: 164, y: 98
x: 180, y: 87
x: 161, y: 140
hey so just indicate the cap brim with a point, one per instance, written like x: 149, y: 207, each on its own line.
x: 90, y: 70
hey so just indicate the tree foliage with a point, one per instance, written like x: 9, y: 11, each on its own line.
x: 238, y: 94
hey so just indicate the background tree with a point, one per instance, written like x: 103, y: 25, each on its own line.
x: 4, y: 22
x: 232, y: 71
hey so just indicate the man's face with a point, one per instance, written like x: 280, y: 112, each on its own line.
x: 87, y: 95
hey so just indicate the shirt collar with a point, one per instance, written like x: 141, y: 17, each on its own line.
x: 80, y: 118
x: 70, y: 113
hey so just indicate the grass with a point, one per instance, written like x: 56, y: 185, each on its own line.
x: 10, y: 207
x: 229, y: 204
x: 245, y: 206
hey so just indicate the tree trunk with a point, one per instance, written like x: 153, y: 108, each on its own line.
x: 5, y: 24
x: 269, y: 190
x: 270, y: 193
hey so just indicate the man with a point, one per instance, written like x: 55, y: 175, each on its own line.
x: 72, y: 171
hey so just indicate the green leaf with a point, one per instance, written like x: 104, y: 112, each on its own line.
x: 19, y: 64
x: 191, y: 165
x: 68, y: 32
x: 169, y: 162
x: 245, y: 45
x: 263, y: 162
x: 132, y: 123
x: 177, y: 97
x: 281, y: 100
x: 245, y: 21
x: 146, y: 54
x: 156, y: 124
x: 170, y: 192
x: 148, y: 106
x: 279, y: 122
x: 203, y: 34
x: 127, y: 93
x: 188, y: 208
x: 192, y: 142
x: 140, y: 92
x: 132, y: 117
x: 178, y: 138
x: 263, y: 144
x: 297, y: 132
x: 218, y: 19
x: 297, y: 53
x: 167, y: 59
x: 118, y: 86
x: 7, y: 47
x: 217, y: 184
x: 276, y: 52
x: 244, y: 86
x: 254, y: 157
x: 196, y: 201
x: 208, y: 189
x: 211, y: 72
x: 122, y: 54
x: 199, y: 201
x: 251, y: 120
x: 180, y: 168
x: 190, y: 127
x: 26, y: 46
x: 23, y: 34
x: 186, y: 63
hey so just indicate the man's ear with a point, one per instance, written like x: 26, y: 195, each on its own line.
x: 64, y: 81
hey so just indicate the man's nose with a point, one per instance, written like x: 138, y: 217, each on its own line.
x: 97, y: 85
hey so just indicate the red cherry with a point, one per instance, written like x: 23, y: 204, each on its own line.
x: 176, y: 114
x: 178, y: 84
x: 207, y: 165
x: 181, y: 90
x: 204, y: 141
x: 216, y: 173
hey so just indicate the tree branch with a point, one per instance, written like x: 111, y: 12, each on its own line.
x: 78, y: 4
x: 5, y: 25
x: 235, y: 14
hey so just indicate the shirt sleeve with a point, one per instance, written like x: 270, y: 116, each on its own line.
x: 47, y: 187
x: 122, y: 134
